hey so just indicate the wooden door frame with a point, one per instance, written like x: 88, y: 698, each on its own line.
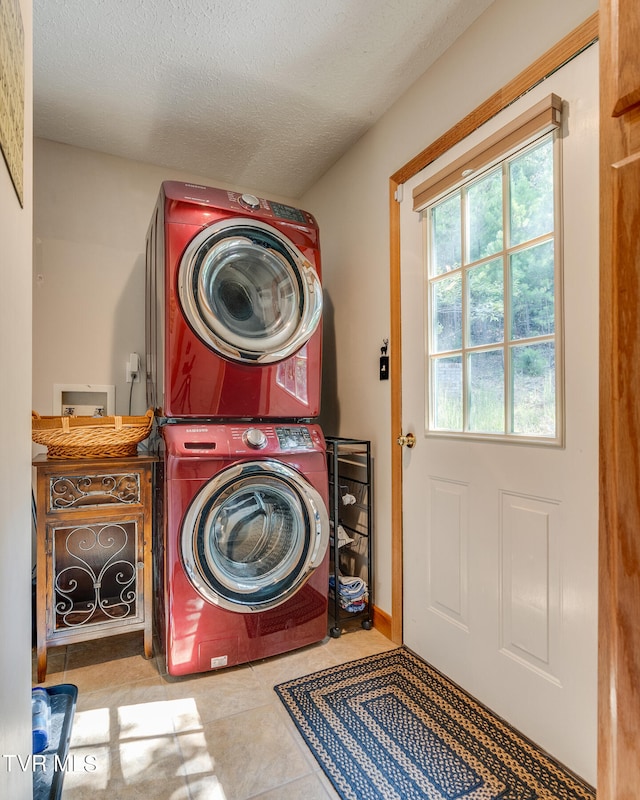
x: 562, y: 52
x: 619, y: 562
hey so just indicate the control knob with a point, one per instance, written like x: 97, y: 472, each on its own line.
x: 255, y: 438
x: 250, y: 201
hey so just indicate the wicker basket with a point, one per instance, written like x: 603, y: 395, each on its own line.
x: 90, y: 437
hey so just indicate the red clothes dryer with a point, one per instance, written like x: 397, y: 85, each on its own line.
x: 243, y: 561
x: 234, y: 304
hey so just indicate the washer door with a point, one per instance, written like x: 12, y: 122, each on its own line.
x: 253, y: 535
x: 248, y: 293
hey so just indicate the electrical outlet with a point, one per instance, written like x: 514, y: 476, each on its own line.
x: 133, y: 368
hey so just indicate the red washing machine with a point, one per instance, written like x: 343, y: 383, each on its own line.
x: 244, y: 572
x: 234, y: 304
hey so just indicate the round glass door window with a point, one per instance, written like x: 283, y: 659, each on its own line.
x: 253, y: 535
x: 248, y: 292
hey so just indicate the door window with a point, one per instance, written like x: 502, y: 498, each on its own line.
x: 493, y: 306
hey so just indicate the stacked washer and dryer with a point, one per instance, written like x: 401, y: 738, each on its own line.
x: 233, y: 362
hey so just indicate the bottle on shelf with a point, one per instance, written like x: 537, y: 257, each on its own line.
x: 40, y: 718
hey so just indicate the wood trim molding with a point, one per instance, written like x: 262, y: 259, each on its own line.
x: 395, y: 376
x: 566, y: 49
x: 535, y: 121
x: 382, y: 622
x: 619, y: 557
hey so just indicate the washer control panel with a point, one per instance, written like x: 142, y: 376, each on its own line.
x: 204, y: 440
x: 297, y: 438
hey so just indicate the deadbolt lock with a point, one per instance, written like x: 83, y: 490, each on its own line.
x: 408, y: 440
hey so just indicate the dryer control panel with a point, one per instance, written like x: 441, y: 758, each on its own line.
x: 190, y: 194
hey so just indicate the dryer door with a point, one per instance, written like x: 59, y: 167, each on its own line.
x: 253, y: 535
x: 248, y: 293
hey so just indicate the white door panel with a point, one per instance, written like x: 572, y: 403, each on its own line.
x: 500, y: 539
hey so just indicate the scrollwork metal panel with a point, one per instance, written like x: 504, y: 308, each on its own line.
x: 95, y: 574
x: 88, y: 491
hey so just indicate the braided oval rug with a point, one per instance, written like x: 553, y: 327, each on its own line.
x: 390, y: 727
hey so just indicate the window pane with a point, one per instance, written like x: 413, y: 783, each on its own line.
x: 447, y: 314
x: 531, y: 188
x: 446, y: 236
x: 533, y: 370
x: 491, y: 310
x: 486, y: 303
x: 532, y: 292
x: 446, y: 379
x: 484, y: 209
x: 486, y: 391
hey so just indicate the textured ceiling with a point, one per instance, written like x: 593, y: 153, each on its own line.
x: 265, y: 94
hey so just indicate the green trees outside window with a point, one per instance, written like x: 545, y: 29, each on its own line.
x: 492, y: 306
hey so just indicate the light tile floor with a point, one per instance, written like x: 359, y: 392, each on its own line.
x: 222, y: 735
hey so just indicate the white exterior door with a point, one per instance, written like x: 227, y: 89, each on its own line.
x: 500, y: 539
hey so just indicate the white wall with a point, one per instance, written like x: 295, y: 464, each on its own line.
x: 15, y: 458
x: 351, y: 205
x: 91, y: 213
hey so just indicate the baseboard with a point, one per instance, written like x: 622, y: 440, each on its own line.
x: 381, y: 621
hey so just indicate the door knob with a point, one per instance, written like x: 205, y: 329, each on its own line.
x: 407, y: 440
